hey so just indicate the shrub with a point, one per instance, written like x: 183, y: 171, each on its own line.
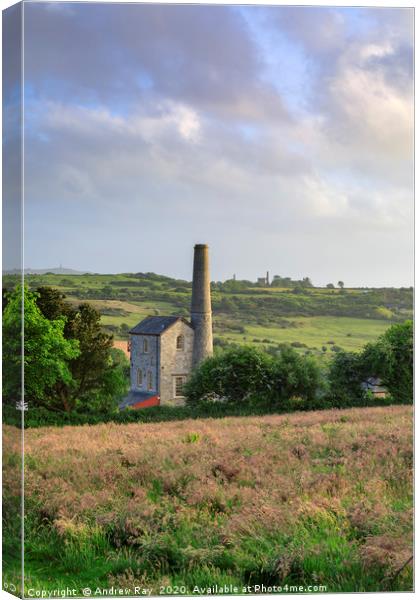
x: 296, y: 376
x: 346, y: 373
x: 234, y: 374
x: 391, y: 358
x: 246, y: 375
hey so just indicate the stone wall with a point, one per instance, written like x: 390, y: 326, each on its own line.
x: 174, y: 362
x: 146, y: 361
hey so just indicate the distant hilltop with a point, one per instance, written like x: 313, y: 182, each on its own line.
x: 55, y: 270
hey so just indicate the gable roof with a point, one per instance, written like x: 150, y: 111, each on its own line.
x: 156, y: 325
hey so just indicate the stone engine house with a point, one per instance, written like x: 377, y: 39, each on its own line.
x: 164, y: 350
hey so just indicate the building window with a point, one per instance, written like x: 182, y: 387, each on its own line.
x: 179, y: 386
x: 145, y: 345
x: 139, y: 377
x: 149, y: 380
x: 180, y: 342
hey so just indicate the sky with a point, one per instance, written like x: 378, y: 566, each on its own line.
x: 280, y: 136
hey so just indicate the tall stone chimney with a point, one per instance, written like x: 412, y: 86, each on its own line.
x: 201, y: 305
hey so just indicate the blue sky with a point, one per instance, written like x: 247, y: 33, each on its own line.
x: 281, y: 136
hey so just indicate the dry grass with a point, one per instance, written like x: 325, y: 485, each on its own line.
x: 320, y: 496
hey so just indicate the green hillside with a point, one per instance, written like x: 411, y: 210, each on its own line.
x: 319, y: 320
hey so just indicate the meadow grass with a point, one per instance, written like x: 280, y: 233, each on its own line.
x: 320, y: 498
x: 346, y: 332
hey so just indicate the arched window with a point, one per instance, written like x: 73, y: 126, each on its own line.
x: 145, y: 345
x: 149, y: 380
x: 139, y: 377
x: 180, y: 342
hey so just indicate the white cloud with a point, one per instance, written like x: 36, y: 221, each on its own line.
x: 206, y: 143
x: 375, y: 115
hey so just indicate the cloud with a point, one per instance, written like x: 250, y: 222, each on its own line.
x: 179, y: 123
x: 202, y: 55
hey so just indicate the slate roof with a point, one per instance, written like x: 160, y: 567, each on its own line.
x: 156, y: 325
x: 134, y: 398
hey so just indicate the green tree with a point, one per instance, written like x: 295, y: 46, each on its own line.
x: 346, y: 374
x: 110, y: 386
x: 46, y: 353
x: 246, y: 375
x: 330, y: 286
x: 52, y: 304
x: 391, y: 359
x: 95, y: 346
x: 295, y: 376
x: 99, y: 372
x: 233, y: 375
x: 340, y: 284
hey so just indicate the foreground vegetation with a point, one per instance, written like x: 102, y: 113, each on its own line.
x: 317, y: 498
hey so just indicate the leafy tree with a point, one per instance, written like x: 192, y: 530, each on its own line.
x: 294, y: 375
x: 5, y: 298
x: 94, y: 360
x: 330, y: 286
x: 340, y: 284
x: 53, y: 306
x: 112, y: 384
x: 46, y: 351
x: 346, y: 373
x: 232, y: 375
x: 246, y: 375
x: 391, y: 359
x: 99, y: 372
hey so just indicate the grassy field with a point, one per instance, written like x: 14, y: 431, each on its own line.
x: 313, y: 499
x: 315, y: 332
x: 318, y: 320
x: 347, y: 332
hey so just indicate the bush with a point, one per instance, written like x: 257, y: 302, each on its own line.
x: 296, y: 376
x: 346, y: 373
x: 391, y: 359
x: 249, y: 376
x: 234, y: 375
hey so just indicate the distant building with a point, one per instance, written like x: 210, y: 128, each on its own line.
x: 264, y: 281
x: 374, y: 385
x: 164, y: 350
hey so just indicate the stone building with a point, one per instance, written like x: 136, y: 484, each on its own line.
x: 164, y: 350
x: 264, y: 281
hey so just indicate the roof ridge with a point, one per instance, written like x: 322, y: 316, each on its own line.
x: 156, y: 324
